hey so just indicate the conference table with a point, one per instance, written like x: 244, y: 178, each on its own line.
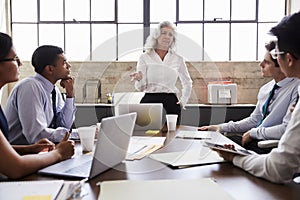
x: 236, y: 182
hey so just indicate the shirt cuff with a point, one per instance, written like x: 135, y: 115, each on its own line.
x: 74, y: 135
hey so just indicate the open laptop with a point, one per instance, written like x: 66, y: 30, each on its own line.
x: 149, y: 115
x: 111, y: 148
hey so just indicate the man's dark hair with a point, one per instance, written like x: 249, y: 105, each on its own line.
x: 270, y: 46
x: 43, y: 56
x: 287, y: 32
x: 5, y: 45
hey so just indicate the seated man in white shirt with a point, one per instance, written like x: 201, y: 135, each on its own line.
x: 269, y: 119
x: 30, y: 111
x: 283, y: 162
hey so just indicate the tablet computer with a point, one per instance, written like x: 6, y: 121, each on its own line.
x: 220, y: 147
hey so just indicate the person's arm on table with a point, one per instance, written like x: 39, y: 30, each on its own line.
x: 42, y: 145
x: 15, y: 166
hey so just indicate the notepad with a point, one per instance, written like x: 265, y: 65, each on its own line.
x: 174, y: 189
x: 31, y: 190
x: 141, y: 146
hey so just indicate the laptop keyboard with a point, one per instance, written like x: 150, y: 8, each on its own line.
x: 84, y: 168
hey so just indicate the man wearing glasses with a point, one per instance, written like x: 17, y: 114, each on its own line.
x: 271, y: 115
x: 282, y: 163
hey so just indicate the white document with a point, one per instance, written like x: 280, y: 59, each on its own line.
x: 140, y: 146
x: 204, y: 189
x: 196, y: 134
x: 25, y: 190
x: 188, y: 158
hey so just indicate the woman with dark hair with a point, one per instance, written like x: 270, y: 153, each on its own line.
x: 14, y: 163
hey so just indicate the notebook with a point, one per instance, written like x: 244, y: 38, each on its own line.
x: 111, y: 148
x: 149, y: 115
x: 28, y: 190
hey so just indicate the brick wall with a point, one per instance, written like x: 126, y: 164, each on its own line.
x: 114, y: 77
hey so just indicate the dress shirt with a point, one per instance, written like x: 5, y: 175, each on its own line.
x: 281, y: 163
x: 274, y: 125
x: 29, y: 112
x: 160, y: 76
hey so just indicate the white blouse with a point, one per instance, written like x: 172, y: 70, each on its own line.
x: 160, y: 76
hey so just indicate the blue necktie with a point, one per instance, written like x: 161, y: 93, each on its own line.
x: 265, y: 107
x: 53, y: 123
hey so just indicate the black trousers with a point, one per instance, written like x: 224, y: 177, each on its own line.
x: 251, y: 145
x: 169, y: 101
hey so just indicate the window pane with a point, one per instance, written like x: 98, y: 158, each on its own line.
x: 78, y: 10
x: 243, y: 42
x: 78, y: 45
x: 49, y: 7
x: 265, y: 13
x: 162, y: 10
x: 25, y: 40
x: 132, y: 13
x: 264, y: 37
x: 216, y: 42
x: 220, y: 12
x: 20, y: 14
x: 190, y: 10
x: 190, y: 37
x: 104, y: 42
x: 130, y: 42
x: 52, y: 34
x: 2, y: 17
x: 243, y: 10
x: 103, y: 10
x: 295, y: 5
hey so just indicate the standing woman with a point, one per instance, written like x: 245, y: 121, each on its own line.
x: 14, y: 163
x: 158, y: 70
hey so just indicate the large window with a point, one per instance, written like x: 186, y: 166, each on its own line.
x: 108, y: 30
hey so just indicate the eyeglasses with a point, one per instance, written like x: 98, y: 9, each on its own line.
x: 275, y: 52
x: 17, y: 59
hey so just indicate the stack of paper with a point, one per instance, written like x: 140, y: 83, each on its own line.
x: 188, y: 158
x: 204, y: 189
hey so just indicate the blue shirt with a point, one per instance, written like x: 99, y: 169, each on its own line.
x: 274, y: 125
x: 29, y: 112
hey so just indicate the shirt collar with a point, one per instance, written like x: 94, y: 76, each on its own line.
x: 48, y: 86
x: 285, y: 81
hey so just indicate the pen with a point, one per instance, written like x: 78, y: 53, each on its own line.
x: 192, y: 138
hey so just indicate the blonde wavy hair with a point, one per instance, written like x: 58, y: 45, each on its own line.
x: 151, y: 41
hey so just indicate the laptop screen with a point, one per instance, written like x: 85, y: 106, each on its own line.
x: 149, y: 115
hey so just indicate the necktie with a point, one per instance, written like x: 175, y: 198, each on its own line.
x: 265, y: 107
x: 53, y: 124
x: 3, y: 123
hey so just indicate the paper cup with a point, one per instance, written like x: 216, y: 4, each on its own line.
x: 87, y: 136
x: 171, y: 122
